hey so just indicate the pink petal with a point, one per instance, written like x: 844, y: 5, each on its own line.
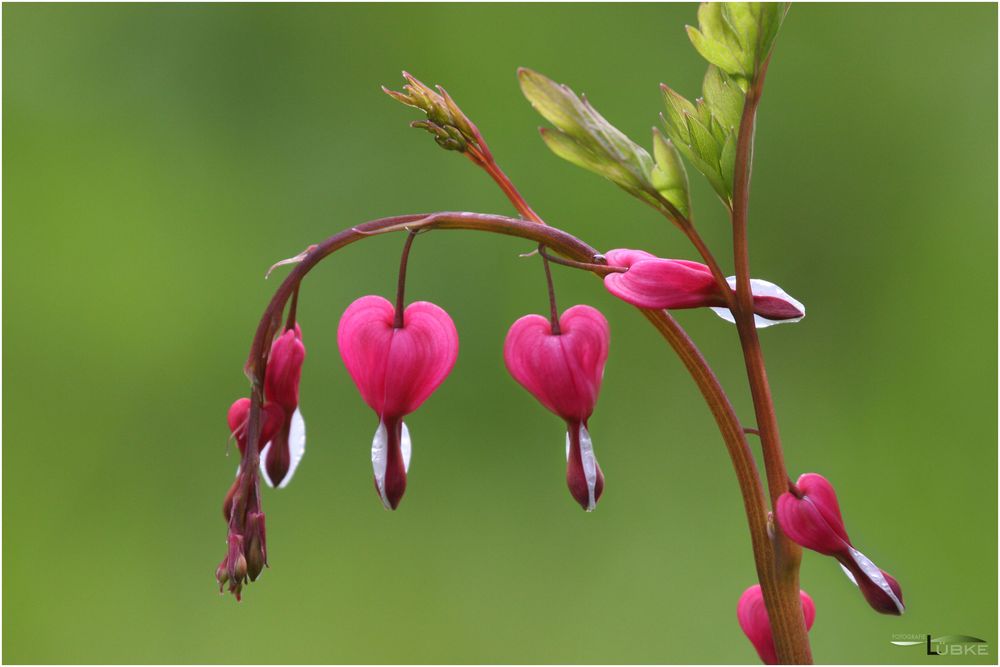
x: 801, y: 520
x: 284, y: 369
x: 396, y: 369
x: 272, y: 417
x: 624, y: 257
x: 819, y: 490
x: 664, y: 283
x: 751, y: 612
x: 421, y: 356
x: 563, y: 372
x: 363, y: 336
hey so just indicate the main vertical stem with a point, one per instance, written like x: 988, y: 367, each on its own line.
x: 784, y: 606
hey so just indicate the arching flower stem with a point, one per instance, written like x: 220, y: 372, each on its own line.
x: 569, y: 247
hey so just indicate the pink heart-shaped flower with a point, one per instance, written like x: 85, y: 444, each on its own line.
x: 396, y: 369
x: 563, y: 371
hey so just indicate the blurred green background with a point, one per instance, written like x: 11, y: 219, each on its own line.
x: 157, y: 159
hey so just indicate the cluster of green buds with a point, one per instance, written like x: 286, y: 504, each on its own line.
x: 450, y: 127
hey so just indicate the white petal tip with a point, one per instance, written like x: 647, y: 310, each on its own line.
x: 760, y: 287
x: 296, y: 446
x: 263, y: 468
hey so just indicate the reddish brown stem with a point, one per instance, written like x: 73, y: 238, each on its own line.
x: 404, y: 258
x: 783, y: 604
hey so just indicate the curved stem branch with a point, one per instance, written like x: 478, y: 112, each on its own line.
x: 582, y: 254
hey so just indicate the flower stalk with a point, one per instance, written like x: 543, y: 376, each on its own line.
x: 782, y: 596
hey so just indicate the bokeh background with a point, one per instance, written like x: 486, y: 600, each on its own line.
x: 157, y: 159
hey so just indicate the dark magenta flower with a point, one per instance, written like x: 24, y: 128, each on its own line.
x: 283, y: 452
x: 658, y: 283
x: 395, y: 369
x: 810, y: 516
x: 756, y: 624
x: 272, y: 418
x: 564, y: 371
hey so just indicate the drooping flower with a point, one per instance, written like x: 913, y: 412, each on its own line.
x: 395, y: 369
x: 282, y: 454
x: 272, y: 418
x: 655, y: 282
x: 564, y: 371
x: 756, y: 625
x: 810, y: 516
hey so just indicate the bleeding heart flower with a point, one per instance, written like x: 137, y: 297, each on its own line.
x: 395, y: 370
x: 564, y: 371
x: 756, y: 625
x: 272, y: 417
x: 282, y: 454
x: 654, y: 282
x: 810, y: 516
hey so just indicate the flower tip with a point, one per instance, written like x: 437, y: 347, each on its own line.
x: 584, y: 476
x: 880, y: 589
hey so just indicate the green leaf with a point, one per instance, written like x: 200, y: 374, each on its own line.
x: 569, y: 149
x: 678, y: 107
x: 737, y: 37
x: 585, y: 138
x: 669, y: 176
x: 723, y: 97
x: 702, y: 142
x: 717, y: 40
x: 555, y: 102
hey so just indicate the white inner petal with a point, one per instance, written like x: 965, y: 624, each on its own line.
x: 875, y: 574
x: 589, y: 465
x: 380, y: 452
x: 760, y: 287
x: 850, y: 575
x: 263, y: 469
x: 406, y: 447
x: 296, y: 446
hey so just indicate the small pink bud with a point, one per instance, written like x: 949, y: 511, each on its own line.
x: 811, y: 517
x: 281, y: 387
x: 272, y: 417
x: 284, y: 369
x: 564, y: 373
x: 756, y: 625
x: 654, y: 282
x: 395, y: 370
x: 238, y: 416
